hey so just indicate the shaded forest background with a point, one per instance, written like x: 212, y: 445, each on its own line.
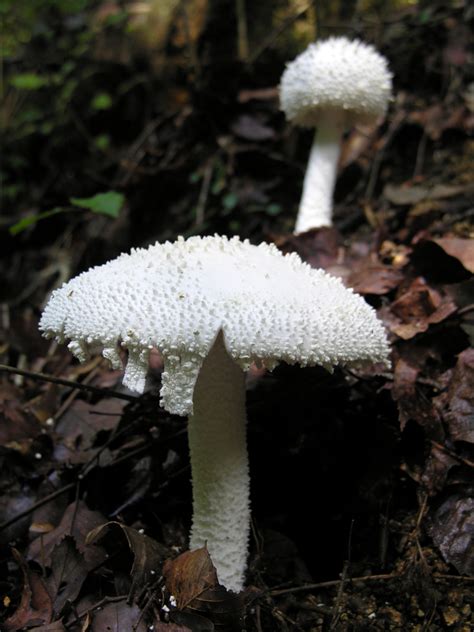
x: 126, y: 123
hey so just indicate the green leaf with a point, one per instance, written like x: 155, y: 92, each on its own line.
x: 102, y: 101
x: 102, y: 141
x: 109, y: 203
x: 28, y: 81
x: 195, y: 177
x: 230, y: 201
x: 32, y: 219
x: 273, y: 209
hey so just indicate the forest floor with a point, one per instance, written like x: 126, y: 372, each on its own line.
x: 362, y: 482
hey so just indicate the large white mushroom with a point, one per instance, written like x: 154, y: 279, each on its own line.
x: 333, y: 85
x: 212, y: 306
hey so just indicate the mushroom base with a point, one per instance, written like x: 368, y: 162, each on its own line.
x: 219, y: 466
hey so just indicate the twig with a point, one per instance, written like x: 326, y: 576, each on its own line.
x: 361, y: 580
x: 104, y: 601
x: 36, y: 505
x: 333, y: 582
x: 73, y: 394
x: 85, y: 470
x: 420, y: 155
x: 203, y: 194
x: 338, y: 600
x: 398, y: 119
x: 59, y: 380
x: 267, y: 42
x: 465, y: 310
x: 242, y: 34
x: 452, y: 454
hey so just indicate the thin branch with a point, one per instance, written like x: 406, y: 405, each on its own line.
x: 36, y: 505
x: 361, y: 580
x: 274, y: 35
x: 59, y: 380
x: 333, y: 582
x: 242, y: 34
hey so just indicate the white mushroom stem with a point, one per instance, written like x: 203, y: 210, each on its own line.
x: 318, y: 187
x: 219, y: 466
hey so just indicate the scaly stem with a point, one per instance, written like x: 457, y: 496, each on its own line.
x: 219, y: 466
x: 320, y: 178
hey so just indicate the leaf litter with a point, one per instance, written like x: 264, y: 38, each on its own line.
x: 386, y: 468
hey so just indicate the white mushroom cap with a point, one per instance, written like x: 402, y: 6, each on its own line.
x: 336, y: 75
x: 178, y: 296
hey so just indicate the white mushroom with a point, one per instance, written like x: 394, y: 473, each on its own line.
x: 333, y: 85
x: 212, y: 306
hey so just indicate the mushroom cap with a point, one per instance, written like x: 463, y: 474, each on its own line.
x: 177, y: 297
x: 336, y: 75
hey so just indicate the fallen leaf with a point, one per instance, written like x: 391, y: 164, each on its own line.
x: 461, y: 249
x: 405, y: 195
x: 148, y: 554
x: 436, y: 469
x: 319, y: 247
x: 192, y: 579
x: 417, y: 307
x: 68, y: 572
x: 252, y: 129
x: 57, y: 626
x: 137, y: 484
x: 357, y: 142
x: 35, y: 604
x: 452, y: 530
x: 13, y: 502
x: 409, y: 194
x: 16, y: 425
x: 430, y: 261
x: 436, y: 118
x: 118, y: 617
x: 460, y: 399
x: 189, y: 575
x: 373, y: 277
x: 412, y: 402
x: 77, y: 521
x: 82, y: 421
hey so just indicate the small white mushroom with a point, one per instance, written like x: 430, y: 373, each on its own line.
x: 212, y: 306
x: 333, y: 85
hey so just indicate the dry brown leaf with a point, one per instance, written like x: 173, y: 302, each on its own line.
x: 191, y: 578
x: 437, y: 468
x: 319, y: 247
x: 252, y: 129
x: 460, y: 249
x: 77, y: 521
x: 148, y: 554
x: 412, y: 402
x: 16, y: 424
x: 35, y: 604
x: 373, y: 277
x: 82, y: 421
x: 460, y: 399
x: 453, y: 533
x: 418, y: 307
x: 68, y: 572
x: 118, y: 617
x: 189, y: 575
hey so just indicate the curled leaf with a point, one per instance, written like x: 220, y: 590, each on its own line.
x: 148, y: 554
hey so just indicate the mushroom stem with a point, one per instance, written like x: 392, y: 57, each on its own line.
x: 219, y: 466
x: 318, y: 187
